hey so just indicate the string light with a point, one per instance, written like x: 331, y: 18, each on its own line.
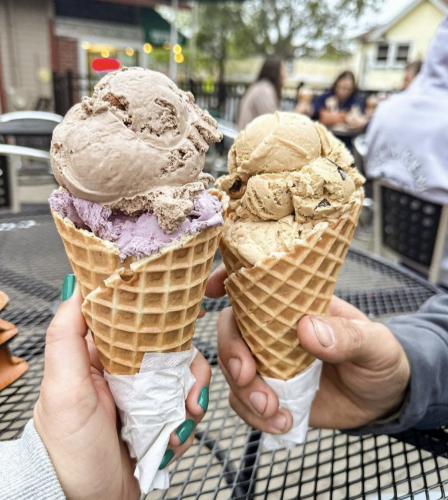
x: 105, y: 53
x: 179, y: 58
x: 166, y: 46
x: 129, y: 51
x: 147, y: 48
x: 86, y: 45
x: 177, y: 49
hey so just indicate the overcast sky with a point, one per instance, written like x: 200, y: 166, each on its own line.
x: 388, y: 10
x: 392, y: 7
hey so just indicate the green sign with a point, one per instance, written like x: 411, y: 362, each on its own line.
x: 157, y: 30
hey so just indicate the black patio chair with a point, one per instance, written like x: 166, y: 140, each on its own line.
x: 10, y: 165
x: 30, y: 129
x: 413, y: 229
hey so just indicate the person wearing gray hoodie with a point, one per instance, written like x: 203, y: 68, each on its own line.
x: 408, y: 137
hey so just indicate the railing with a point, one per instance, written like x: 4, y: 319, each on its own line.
x: 222, y: 100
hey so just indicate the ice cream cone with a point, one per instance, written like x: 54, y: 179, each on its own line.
x: 270, y: 297
x: 138, y: 306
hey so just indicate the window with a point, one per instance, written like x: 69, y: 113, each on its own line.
x: 383, y: 52
x: 402, y: 53
x: 391, y: 54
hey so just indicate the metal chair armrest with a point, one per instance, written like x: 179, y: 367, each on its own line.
x: 23, y: 152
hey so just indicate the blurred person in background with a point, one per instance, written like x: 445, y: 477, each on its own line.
x: 408, y: 137
x: 265, y: 95
x: 410, y: 72
x: 304, y: 100
x: 341, y: 109
x: 333, y: 107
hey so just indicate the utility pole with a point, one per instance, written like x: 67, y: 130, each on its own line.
x: 173, y: 41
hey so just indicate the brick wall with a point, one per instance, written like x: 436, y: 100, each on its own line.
x: 66, y: 55
x: 65, y: 58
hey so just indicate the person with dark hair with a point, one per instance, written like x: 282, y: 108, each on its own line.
x: 410, y: 72
x: 341, y: 109
x: 263, y: 96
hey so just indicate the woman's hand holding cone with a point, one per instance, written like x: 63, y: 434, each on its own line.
x: 365, y: 374
x: 76, y: 417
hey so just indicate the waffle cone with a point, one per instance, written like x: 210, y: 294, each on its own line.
x: 138, y: 306
x: 270, y: 298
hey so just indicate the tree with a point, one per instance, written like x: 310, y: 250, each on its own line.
x: 286, y: 28
x: 218, y: 26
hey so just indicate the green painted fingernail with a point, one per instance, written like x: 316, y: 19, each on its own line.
x: 184, y: 430
x: 204, y: 306
x: 169, y: 454
x: 203, y: 398
x: 68, y: 287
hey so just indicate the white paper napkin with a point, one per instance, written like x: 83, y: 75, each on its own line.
x: 296, y: 395
x: 151, y: 405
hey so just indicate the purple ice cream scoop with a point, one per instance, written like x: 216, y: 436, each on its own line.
x: 135, y: 236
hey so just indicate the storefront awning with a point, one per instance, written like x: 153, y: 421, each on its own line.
x: 156, y: 30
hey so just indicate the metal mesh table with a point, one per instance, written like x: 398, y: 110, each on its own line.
x: 226, y: 461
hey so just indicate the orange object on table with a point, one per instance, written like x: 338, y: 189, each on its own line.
x: 11, y: 367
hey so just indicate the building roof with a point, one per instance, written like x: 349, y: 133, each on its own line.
x: 376, y: 33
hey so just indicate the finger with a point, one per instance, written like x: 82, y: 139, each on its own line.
x: 196, y: 402
x: 185, y: 430
x: 233, y: 351
x: 202, y: 312
x: 67, y: 358
x: 198, y: 397
x: 280, y: 423
x: 335, y: 340
x: 93, y: 353
x: 215, y: 285
x: 343, y: 309
x: 178, y: 451
x: 257, y: 396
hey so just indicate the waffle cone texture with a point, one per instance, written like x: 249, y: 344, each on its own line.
x: 270, y: 298
x: 139, y: 306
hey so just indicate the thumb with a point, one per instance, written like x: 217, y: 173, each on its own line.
x: 66, y: 354
x: 335, y: 340
x: 215, y: 285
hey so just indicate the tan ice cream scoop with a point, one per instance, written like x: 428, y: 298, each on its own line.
x: 274, y: 143
x: 135, y: 138
x: 321, y: 189
x: 268, y: 197
x: 284, y: 167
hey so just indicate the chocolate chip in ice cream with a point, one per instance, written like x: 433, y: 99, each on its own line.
x: 236, y: 186
x: 324, y: 203
x: 332, y: 162
x: 342, y: 173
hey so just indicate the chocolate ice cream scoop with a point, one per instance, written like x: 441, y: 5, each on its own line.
x: 135, y: 142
